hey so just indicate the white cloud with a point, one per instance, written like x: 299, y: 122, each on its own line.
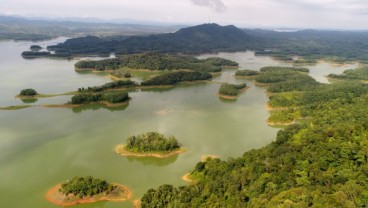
x: 216, y: 5
x: 245, y: 13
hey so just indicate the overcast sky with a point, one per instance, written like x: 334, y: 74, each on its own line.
x: 336, y: 14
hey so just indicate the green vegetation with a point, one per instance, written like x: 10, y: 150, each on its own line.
x: 204, y: 38
x: 308, y: 45
x: 231, y: 89
x: 18, y: 107
x: 111, y: 97
x: 35, y: 47
x: 152, y: 142
x: 156, y: 61
x: 86, y: 186
x: 28, y: 92
x: 352, y: 74
x: 176, y: 77
x: 319, y: 162
x: 285, y: 79
x: 142, y: 74
x: 32, y: 54
x: 246, y: 73
x: 109, y: 85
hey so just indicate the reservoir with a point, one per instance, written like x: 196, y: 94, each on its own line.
x: 41, y: 147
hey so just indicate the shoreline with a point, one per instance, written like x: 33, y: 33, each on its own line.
x: 54, y: 196
x: 187, y: 178
x: 272, y: 123
x: 121, y: 150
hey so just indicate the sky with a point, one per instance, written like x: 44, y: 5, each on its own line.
x: 320, y: 14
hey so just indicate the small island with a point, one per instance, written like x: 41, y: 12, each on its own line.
x: 35, y: 48
x: 81, y: 190
x: 231, y: 91
x: 150, y: 144
x: 28, y: 92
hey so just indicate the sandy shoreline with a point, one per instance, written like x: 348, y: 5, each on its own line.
x: 121, y: 150
x: 54, y: 196
x: 187, y: 178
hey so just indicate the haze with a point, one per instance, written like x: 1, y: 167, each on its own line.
x: 325, y: 14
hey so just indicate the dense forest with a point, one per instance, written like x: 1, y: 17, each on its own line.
x: 356, y: 74
x: 111, y: 97
x: 28, y: 92
x: 157, y: 61
x: 246, y: 73
x: 176, y: 77
x: 109, y: 86
x: 198, y: 39
x: 86, y: 186
x: 308, y: 45
x: 320, y: 161
x: 152, y: 142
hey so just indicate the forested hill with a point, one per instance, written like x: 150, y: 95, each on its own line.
x: 309, y: 45
x: 192, y: 40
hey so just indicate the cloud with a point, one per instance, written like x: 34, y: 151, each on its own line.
x: 216, y: 5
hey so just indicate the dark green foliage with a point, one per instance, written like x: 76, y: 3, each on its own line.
x: 246, y: 72
x: 28, y: 92
x: 152, y: 142
x: 320, y: 162
x: 176, y: 77
x: 86, y: 186
x: 352, y: 74
x: 35, y: 47
x: 279, y: 68
x: 157, y: 61
x: 198, y: 39
x: 31, y: 54
x: 115, y: 97
x: 231, y: 89
x: 285, y: 79
x: 111, y: 97
x: 109, y: 85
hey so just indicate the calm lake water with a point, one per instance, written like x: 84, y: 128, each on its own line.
x: 40, y: 147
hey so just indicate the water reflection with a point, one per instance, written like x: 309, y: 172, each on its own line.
x: 29, y: 100
x: 153, y: 161
x: 95, y: 107
x: 227, y: 100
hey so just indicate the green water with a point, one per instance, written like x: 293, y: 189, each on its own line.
x: 40, y: 147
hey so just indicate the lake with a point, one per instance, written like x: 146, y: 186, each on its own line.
x: 40, y: 147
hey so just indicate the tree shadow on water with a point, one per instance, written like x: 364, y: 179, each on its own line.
x: 153, y: 160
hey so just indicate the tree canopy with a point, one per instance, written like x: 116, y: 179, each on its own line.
x: 320, y: 161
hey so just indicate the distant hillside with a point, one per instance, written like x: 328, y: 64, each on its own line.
x: 192, y: 40
x: 18, y: 28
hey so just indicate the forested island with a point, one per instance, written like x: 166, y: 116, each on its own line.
x: 80, y: 190
x: 157, y: 61
x: 30, y: 92
x: 319, y: 161
x: 231, y: 91
x: 150, y: 144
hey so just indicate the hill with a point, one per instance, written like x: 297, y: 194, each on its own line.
x: 19, y: 28
x: 192, y: 40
